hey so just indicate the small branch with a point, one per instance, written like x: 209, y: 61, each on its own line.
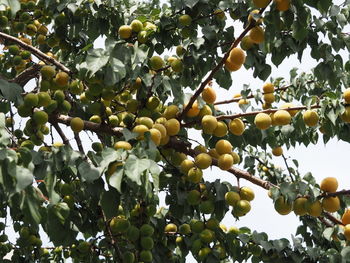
x: 35, y: 51
x: 25, y: 76
x: 80, y: 145
x: 325, y: 222
x: 333, y: 219
x: 285, y: 162
x: 339, y: 193
x: 60, y: 132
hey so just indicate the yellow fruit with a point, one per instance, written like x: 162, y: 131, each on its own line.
x: 125, y: 31
x: 236, y: 158
x: 231, y: 66
x: 314, y: 209
x: 194, y: 110
x: 164, y: 140
x: 200, y: 149
x: 310, y: 118
x: 223, y: 146
x: 266, y: 106
x: 287, y: 106
x: 145, y: 121
x: 299, y: 206
x: 282, y: 207
x: 186, y: 165
x: 122, y: 145
x: 156, y: 136
x: 241, y: 208
x: 246, y: 43
x: 170, y: 228
x: 171, y: 112
x: 213, y: 153
x: 77, y: 124
x: 251, y: 17
x: 185, y: 20
x: 219, y: 14
x: 282, y: 5
x: 257, y: 35
x: 172, y: 127
x: 246, y: 193
x: 281, y: 117
x: 232, y: 197
x: 47, y: 72
x: 225, y: 161
x: 329, y: 184
x: 195, y: 175
x: 209, y: 95
x: 236, y: 126
x: 268, y: 88
x: 206, y: 110
x: 346, y: 95
x: 261, y: 3
x: 209, y: 124
x: 262, y: 121
x: 62, y: 79
x: 203, y: 160
x: 347, y: 232
x: 95, y: 119
x: 156, y: 63
x: 346, y: 217
x: 237, y: 56
x: 161, y: 128
x: 278, y: 151
x: 136, y: 25
x: 346, y: 115
x: 140, y: 130
x: 243, y: 102
x: 177, y: 65
x: 221, y: 129
x: 269, y: 98
x: 331, y: 204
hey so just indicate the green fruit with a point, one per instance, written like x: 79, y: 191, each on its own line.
x: 77, y: 124
x: 203, y: 253
x: 193, y: 197
x: 146, y: 256
x: 97, y: 146
x: 66, y: 189
x: 51, y: 107
x: 17, y: 60
x: 128, y: 257
x: 207, y: 207
x: 180, y: 50
x: 40, y: 117
x: 44, y: 99
x: 142, y: 36
x: 119, y: 225
x: 152, y: 103
x: 28, y: 144
x: 14, y: 50
x: 45, y: 85
x: 59, y: 96
x: 76, y: 87
x: 47, y: 72
x: 133, y: 233
x: 207, y: 236
x: 31, y: 100
x: 177, y: 65
x: 241, y: 208
x: 147, y: 243
x: 62, y: 79
x: 136, y: 25
x: 132, y: 105
x: 156, y: 63
x: 65, y: 107
x: 232, y: 197
x: 185, y: 20
x: 25, y: 54
x: 185, y: 229
x: 146, y: 230
x: 195, y: 175
x: 3, y: 21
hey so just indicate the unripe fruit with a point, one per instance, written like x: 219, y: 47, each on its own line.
x: 203, y: 160
x: 133, y: 233
x: 246, y: 43
x: 314, y: 208
x: 185, y: 229
x: 223, y: 146
x: 185, y: 20
x: 257, y: 34
x: 283, y: 207
x: 156, y: 63
x: 31, y: 100
x: 207, y: 207
x: 236, y: 126
x: 237, y: 56
x: 146, y: 256
x: 262, y: 121
x: 172, y: 127
x: 299, y: 206
x: 225, y: 161
x: 47, y: 72
x: 207, y: 236
x: 209, y: 124
x: 282, y: 5
x: 62, y: 79
x: 221, y: 129
x: 14, y: 50
x: 44, y: 99
x: 40, y: 117
x: 125, y: 31
x: 119, y: 225
x: 331, y: 204
x: 152, y: 103
x: 136, y: 25
x: 140, y: 130
x: 177, y: 65
x: 147, y: 243
x: 209, y: 95
x: 193, y: 197
x: 194, y: 110
x: 146, y: 230
x: 268, y: 88
x: 346, y: 115
x: 329, y: 184
x: 241, y: 208
x: 246, y: 193
x: 195, y: 175
x: 282, y: 117
x: 77, y: 124
x: 278, y: 151
x: 59, y: 96
x: 232, y: 197
x: 128, y: 257
x: 310, y: 118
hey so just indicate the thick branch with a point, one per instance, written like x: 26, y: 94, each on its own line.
x: 42, y: 56
x: 25, y: 76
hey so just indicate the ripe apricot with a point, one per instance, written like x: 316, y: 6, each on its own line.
x: 195, y: 175
x: 206, y: 110
x: 331, y: 204
x: 186, y: 165
x: 281, y: 117
x: 257, y: 34
x: 299, y: 206
x: 347, y: 232
x: 246, y: 43
x: 122, y: 145
x: 314, y: 208
x: 261, y: 3
x: 209, y: 95
x: 194, y: 110
x: 251, y: 17
x: 232, y: 197
x: 287, y: 106
x: 282, y: 5
x: 268, y: 87
x: 156, y: 136
x: 225, y: 161
x: 136, y: 25
x: 346, y: 217
x: 231, y: 66
x: 170, y: 111
x: 209, y: 124
x: 125, y: 31
x: 277, y: 151
x: 282, y: 207
x: 241, y: 208
x: 262, y: 121
x: 203, y: 160
x: 172, y: 127
x: 161, y: 128
x: 329, y: 184
x: 310, y: 118
x: 236, y: 126
x: 221, y: 129
x: 237, y: 56
x: 223, y: 146
x: 346, y: 95
x: 269, y: 98
x: 140, y: 130
x: 346, y: 115
x: 246, y: 193
x: 62, y: 79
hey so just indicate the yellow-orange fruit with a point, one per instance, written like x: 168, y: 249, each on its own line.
x: 172, y: 127
x: 261, y: 3
x: 231, y: 66
x: 281, y: 117
x: 269, y: 98
x: 77, y: 124
x: 125, y: 31
x: 220, y: 130
x: 225, y: 161
x: 346, y: 115
x: 268, y: 88
x: 262, y: 121
x: 331, y: 204
x: 251, y: 17
x: 209, y: 95
x: 209, y: 124
x: 203, y: 160
x: 346, y: 95
x: 236, y: 126
x: 347, y: 232
x: 282, y: 206
x: 171, y: 111
x: 257, y: 34
x: 161, y: 128
x: 346, y: 217
x: 314, y: 208
x: 282, y: 5
x: 140, y: 130
x: 237, y: 56
x: 310, y: 118
x: 287, y: 106
x: 223, y: 146
x: 278, y: 151
x: 329, y: 184
x: 194, y: 110
x: 156, y: 136
x: 122, y: 145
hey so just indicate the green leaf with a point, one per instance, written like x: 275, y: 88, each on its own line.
x: 61, y: 210
x: 116, y: 179
x: 32, y: 204
x: 134, y: 167
x: 110, y: 203
x: 345, y: 253
x: 280, y: 244
x: 88, y: 172
x: 4, y: 135
x: 24, y: 177
x: 95, y: 60
x: 11, y: 91
x: 191, y: 3
x: 14, y: 5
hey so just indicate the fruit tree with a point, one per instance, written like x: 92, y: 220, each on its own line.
x: 105, y: 153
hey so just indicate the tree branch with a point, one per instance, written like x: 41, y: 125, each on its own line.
x: 42, y: 56
x: 60, y: 132
x: 80, y: 145
x: 339, y: 193
x: 25, y: 76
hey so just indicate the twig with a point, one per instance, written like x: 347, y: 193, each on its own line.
x: 26, y: 75
x: 325, y: 222
x: 285, y: 162
x: 339, y: 193
x: 78, y: 140
x: 35, y: 51
x: 333, y: 219
x: 60, y: 132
